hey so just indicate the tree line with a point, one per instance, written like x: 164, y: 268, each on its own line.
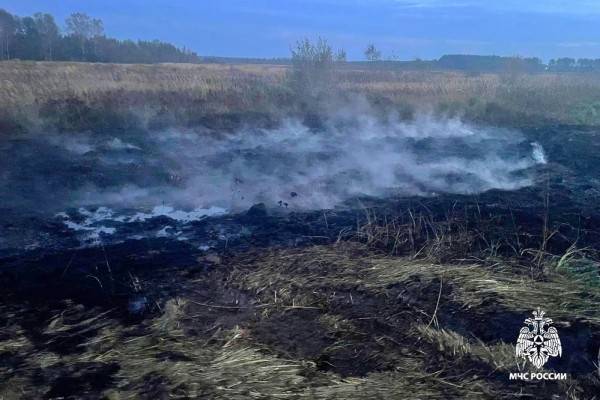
x: 570, y: 64
x: 38, y: 37
x: 516, y: 64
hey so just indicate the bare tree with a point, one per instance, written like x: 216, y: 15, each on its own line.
x: 84, y: 28
x: 49, y: 33
x: 312, y: 67
x: 8, y: 27
x: 96, y: 28
x: 371, y: 53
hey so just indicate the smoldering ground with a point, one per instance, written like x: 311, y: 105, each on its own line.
x: 293, y: 166
x: 261, y: 296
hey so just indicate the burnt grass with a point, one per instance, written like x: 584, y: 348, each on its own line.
x: 379, y: 298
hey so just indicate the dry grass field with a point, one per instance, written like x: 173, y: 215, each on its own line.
x: 28, y: 83
x: 198, y: 94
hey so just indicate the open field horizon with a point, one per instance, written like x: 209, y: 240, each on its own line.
x: 148, y: 90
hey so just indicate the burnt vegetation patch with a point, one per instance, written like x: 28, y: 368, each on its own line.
x: 422, y: 294
x: 296, y: 333
x: 377, y: 297
x: 306, y: 316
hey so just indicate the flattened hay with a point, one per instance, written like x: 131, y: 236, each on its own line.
x: 323, y: 322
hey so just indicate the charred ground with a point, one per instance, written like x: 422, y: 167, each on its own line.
x: 380, y: 297
x: 375, y: 298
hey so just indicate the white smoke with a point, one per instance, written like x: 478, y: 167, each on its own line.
x: 308, y: 169
x: 354, y: 154
x: 538, y: 153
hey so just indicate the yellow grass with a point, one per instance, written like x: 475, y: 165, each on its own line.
x: 556, y: 97
x: 27, y: 83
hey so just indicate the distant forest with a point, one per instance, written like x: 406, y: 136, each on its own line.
x: 508, y: 64
x: 39, y: 38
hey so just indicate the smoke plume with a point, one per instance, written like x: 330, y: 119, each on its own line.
x: 352, y: 155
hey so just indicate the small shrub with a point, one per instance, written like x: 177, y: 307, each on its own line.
x: 587, y: 114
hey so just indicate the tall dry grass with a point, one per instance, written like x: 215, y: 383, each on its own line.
x: 191, y: 94
x: 26, y: 83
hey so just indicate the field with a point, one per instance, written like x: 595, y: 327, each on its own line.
x: 418, y: 292
x: 189, y: 94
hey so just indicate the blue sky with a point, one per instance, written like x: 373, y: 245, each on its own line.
x: 403, y: 29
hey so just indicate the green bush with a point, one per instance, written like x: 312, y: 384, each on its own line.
x: 587, y: 114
